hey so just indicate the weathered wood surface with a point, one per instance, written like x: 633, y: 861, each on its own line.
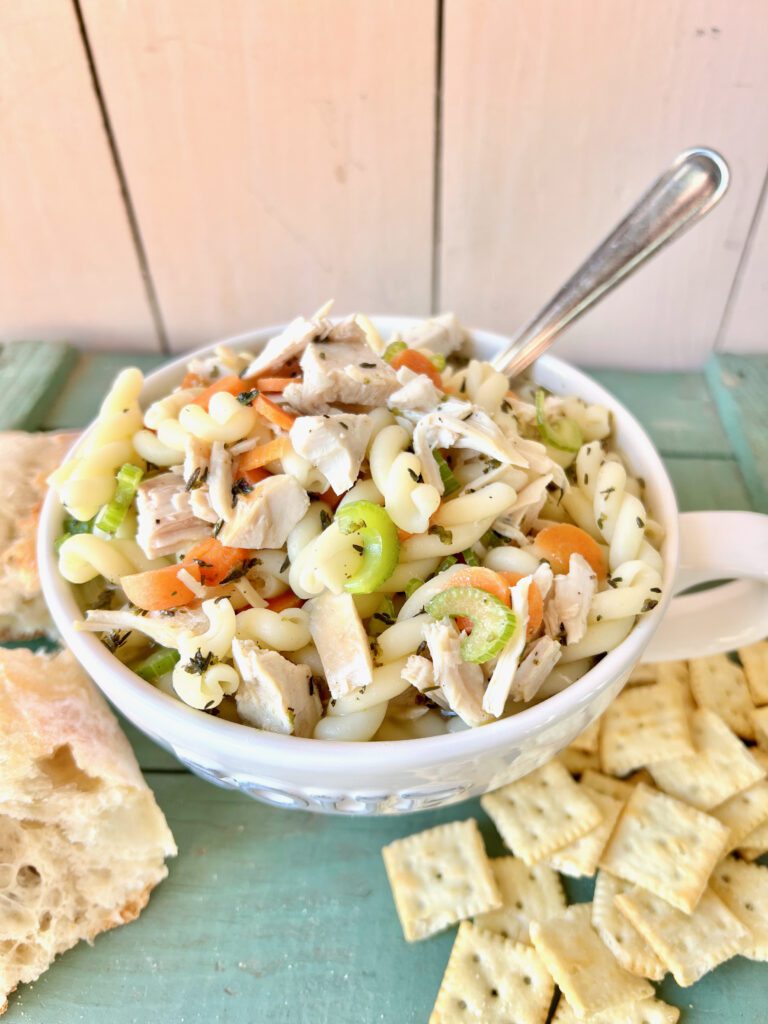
x: 278, y: 153
x: 557, y: 116
x: 68, y: 265
x: 279, y: 917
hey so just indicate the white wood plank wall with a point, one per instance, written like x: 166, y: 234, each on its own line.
x: 258, y: 156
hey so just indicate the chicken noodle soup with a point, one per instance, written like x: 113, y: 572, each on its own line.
x: 355, y: 538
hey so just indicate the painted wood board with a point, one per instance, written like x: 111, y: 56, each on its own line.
x: 745, y: 328
x: 277, y: 153
x: 556, y: 117
x: 282, y: 916
x: 31, y: 374
x: 68, y: 267
x: 739, y: 386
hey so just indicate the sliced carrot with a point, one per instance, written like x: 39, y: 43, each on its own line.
x: 159, y: 589
x: 276, y: 384
x: 558, y: 542
x: 234, y: 385
x: 417, y: 362
x: 191, y: 380
x: 330, y: 497
x: 218, y: 560
x: 535, y: 603
x: 254, y: 476
x: 283, y: 601
x: 280, y: 417
x: 259, y: 456
x: 482, y: 578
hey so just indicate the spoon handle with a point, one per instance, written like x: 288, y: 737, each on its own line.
x: 693, y: 184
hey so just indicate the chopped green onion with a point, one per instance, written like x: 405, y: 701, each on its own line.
x: 492, y: 539
x: 412, y: 586
x: 392, y: 349
x: 450, y: 483
x: 438, y: 361
x: 562, y: 432
x: 379, y: 540
x: 446, y: 563
x: 72, y: 526
x: 383, y: 617
x: 157, y: 664
x: 470, y: 557
x: 492, y: 622
x: 112, y: 514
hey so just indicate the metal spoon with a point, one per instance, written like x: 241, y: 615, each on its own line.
x: 695, y: 182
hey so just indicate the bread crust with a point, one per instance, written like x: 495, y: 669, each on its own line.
x: 70, y: 774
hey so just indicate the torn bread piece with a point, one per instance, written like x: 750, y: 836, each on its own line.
x: 27, y: 460
x: 529, y: 892
x: 83, y: 841
x: 666, y: 846
x: 622, y: 938
x: 754, y: 660
x: 580, y: 858
x: 721, y: 766
x: 573, y: 953
x: 719, y: 684
x: 647, y: 1011
x: 541, y: 812
x: 743, y: 888
x: 690, y: 945
x: 493, y: 980
x: 439, y: 877
x: 644, y: 724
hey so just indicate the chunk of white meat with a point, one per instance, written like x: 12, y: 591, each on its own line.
x: 462, y: 683
x: 341, y: 373
x: 341, y: 642
x: 420, y: 673
x: 526, y: 508
x: 275, y: 694
x: 166, y: 630
x: 196, y: 460
x: 334, y: 444
x: 287, y: 345
x: 534, y: 668
x: 567, y: 607
x: 264, y: 517
x: 441, y: 334
x: 502, y: 678
x: 200, y: 504
x: 416, y: 396
x: 459, y: 424
x: 220, y: 482
x: 347, y: 330
x: 166, y: 520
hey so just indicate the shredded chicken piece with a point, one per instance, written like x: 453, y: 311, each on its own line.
x: 165, y: 630
x: 420, y: 673
x: 441, y: 334
x: 346, y: 373
x: 503, y: 675
x: 457, y: 424
x: 567, y: 608
x: 461, y: 682
x: 416, y: 396
x: 264, y: 517
x: 166, y: 519
x: 341, y: 642
x: 220, y: 482
x: 334, y: 444
x: 275, y: 694
x: 534, y: 668
x: 290, y: 344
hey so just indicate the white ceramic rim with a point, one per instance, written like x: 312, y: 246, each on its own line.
x: 241, y: 741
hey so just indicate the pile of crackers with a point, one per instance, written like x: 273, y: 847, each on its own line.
x: 669, y: 811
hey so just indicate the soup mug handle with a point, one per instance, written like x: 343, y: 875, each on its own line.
x: 716, y: 546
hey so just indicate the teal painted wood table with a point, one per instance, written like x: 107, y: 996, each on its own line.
x: 281, y: 917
